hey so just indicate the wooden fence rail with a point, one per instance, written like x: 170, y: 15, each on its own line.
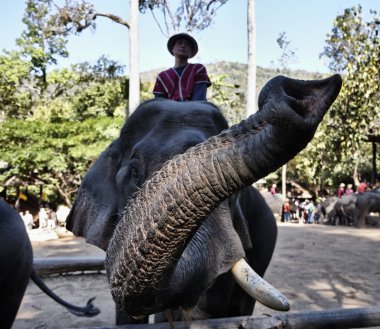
x: 330, y: 319
x: 58, y: 265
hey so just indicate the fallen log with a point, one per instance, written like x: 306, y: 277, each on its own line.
x: 329, y: 319
x: 59, y: 265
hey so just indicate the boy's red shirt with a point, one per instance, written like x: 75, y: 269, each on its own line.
x: 180, y: 87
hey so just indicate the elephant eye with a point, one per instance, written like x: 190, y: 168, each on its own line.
x: 133, y: 171
x: 129, y: 177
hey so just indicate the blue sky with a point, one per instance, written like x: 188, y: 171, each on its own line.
x: 306, y: 24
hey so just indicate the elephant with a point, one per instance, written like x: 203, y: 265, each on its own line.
x: 327, y: 209
x: 171, y: 202
x: 366, y: 202
x: 16, y: 259
x: 341, y: 210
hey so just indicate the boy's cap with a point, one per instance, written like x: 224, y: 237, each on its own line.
x: 175, y: 37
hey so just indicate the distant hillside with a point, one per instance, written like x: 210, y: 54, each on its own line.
x: 236, y: 73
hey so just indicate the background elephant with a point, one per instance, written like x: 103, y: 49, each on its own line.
x: 171, y: 203
x: 365, y: 203
x: 16, y: 263
x: 327, y: 209
x: 344, y: 210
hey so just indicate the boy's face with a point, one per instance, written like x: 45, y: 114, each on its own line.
x: 182, y: 48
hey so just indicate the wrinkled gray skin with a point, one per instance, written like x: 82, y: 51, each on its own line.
x: 16, y: 264
x: 171, y: 244
x: 365, y: 203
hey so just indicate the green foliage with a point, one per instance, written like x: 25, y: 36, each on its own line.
x: 64, y: 129
x: 14, y: 98
x: 229, y: 98
x: 354, y: 50
x: 38, y: 43
x: 57, y: 154
x: 146, y: 91
x: 339, y: 151
x: 106, y: 99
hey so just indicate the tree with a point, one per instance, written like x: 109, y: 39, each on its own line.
x: 14, y: 99
x: 287, y: 55
x: 75, y: 17
x: 338, y: 152
x: 57, y: 154
x: 38, y: 43
x: 353, y: 47
x: 228, y: 97
x: 64, y: 131
x: 251, y: 81
x: 189, y: 16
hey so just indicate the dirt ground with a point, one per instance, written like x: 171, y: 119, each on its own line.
x: 316, y: 266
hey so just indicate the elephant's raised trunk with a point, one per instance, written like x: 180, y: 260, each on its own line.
x: 164, y: 214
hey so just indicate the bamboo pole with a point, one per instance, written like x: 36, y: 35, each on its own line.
x: 59, y: 265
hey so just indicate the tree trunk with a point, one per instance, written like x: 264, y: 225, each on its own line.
x: 251, y: 83
x: 355, y: 175
x: 284, y: 182
x: 134, y: 78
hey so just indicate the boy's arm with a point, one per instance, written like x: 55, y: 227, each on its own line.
x: 200, y: 91
x: 202, y: 82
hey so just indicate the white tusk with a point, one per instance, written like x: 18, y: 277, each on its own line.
x: 258, y: 288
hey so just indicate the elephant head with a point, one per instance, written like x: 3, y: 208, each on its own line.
x: 168, y: 200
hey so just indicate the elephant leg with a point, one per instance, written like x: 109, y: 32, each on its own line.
x: 12, y: 288
x: 332, y: 217
x: 361, y: 221
x: 355, y: 220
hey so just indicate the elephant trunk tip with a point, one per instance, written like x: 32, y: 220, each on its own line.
x: 298, y: 102
x: 311, y: 99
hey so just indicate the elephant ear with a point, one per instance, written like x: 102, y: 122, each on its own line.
x: 94, y: 214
